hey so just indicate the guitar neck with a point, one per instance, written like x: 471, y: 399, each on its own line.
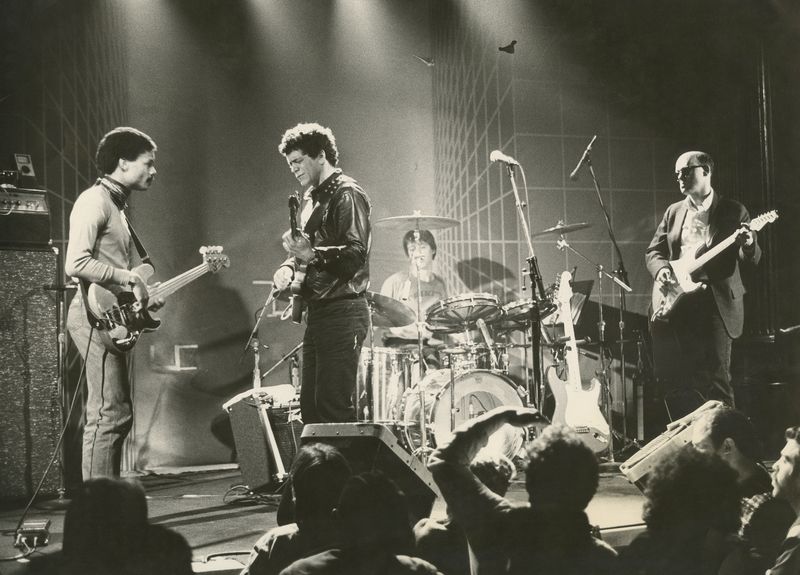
x: 571, y: 354
x: 712, y: 253
x: 172, y: 285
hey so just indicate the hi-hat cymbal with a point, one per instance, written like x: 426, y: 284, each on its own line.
x: 562, y: 228
x: 389, y: 312
x: 416, y: 221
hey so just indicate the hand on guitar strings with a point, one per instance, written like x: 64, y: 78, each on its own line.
x: 664, y: 276
x: 299, y: 247
x: 142, y: 293
x: 282, y: 278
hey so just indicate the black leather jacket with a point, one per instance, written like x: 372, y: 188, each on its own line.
x: 341, y: 236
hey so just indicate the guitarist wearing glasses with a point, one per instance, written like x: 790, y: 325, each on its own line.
x: 328, y: 267
x: 701, y: 298
x: 101, y: 251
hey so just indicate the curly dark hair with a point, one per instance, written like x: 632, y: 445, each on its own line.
x: 562, y: 472
x: 311, y: 139
x: 692, y: 492
x: 121, y: 143
x: 726, y: 422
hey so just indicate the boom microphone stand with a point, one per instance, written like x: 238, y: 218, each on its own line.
x: 620, y: 273
x: 533, y: 268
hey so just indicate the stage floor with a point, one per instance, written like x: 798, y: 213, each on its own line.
x: 194, y: 503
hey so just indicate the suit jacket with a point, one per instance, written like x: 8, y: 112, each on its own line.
x: 724, y: 277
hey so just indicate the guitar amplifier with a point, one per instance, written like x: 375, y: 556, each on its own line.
x: 26, y: 218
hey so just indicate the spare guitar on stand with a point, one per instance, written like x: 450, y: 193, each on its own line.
x: 577, y: 405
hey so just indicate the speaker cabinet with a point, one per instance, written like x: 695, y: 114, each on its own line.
x: 249, y: 413
x: 373, y: 447
x: 30, y: 406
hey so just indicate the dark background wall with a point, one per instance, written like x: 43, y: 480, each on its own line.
x: 216, y: 83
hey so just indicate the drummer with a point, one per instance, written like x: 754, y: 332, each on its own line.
x: 402, y: 285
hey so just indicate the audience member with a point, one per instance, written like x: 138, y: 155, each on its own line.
x: 374, y: 517
x: 551, y: 533
x: 442, y: 541
x: 786, y: 486
x: 166, y: 553
x: 728, y: 433
x: 316, y: 479
x: 692, y: 517
x: 105, y: 530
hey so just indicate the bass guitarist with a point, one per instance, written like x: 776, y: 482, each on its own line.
x: 101, y: 250
x: 334, y: 248
x: 707, y: 320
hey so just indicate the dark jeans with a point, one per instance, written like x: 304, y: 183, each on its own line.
x: 700, y: 354
x: 331, y: 350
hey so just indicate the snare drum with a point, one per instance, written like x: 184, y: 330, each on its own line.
x: 391, y: 377
x: 476, y: 392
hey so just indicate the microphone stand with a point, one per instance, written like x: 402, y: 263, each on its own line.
x: 620, y: 274
x: 422, y: 366
x: 536, y: 283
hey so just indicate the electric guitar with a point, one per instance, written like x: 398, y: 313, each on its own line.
x: 298, y: 305
x: 122, y: 318
x: 576, y: 405
x: 667, y: 295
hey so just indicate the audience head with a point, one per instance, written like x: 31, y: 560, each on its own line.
x: 727, y: 432
x: 105, y: 524
x: 374, y: 513
x: 786, y: 470
x: 316, y: 479
x: 166, y: 553
x: 562, y: 473
x: 692, y: 492
x: 494, y: 470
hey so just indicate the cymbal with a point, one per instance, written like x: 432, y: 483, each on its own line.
x: 562, y: 228
x: 389, y: 312
x: 416, y: 221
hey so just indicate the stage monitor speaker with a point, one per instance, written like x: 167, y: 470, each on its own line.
x: 249, y: 413
x: 373, y: 447
x: 30, y: 404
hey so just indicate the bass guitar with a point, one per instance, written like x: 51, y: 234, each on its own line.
x: 298, y: 305
x: 122, y: 318
x: 576, y: 404
x: 667, y: 295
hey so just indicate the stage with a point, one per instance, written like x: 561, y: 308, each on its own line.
x: 221, y: 530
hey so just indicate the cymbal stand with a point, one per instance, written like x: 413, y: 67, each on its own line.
x: 421, y: 366
x: 370, y: 366
x: 562, y: 244
x: 535, y: 278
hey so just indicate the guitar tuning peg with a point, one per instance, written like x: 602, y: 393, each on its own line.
x: 203, y: 250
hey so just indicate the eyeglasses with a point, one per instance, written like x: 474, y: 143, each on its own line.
x: 683, y: 172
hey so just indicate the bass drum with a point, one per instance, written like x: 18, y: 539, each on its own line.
x: 476, y: 392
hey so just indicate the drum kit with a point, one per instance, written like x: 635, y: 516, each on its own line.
x: 423, y: 407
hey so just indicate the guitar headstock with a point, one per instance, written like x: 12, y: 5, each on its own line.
x: 214, y: 258
x: 766, y: 218
x: 564, y: 289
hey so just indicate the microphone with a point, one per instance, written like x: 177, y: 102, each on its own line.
x: 574, y: 175
x: 498, y: 156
